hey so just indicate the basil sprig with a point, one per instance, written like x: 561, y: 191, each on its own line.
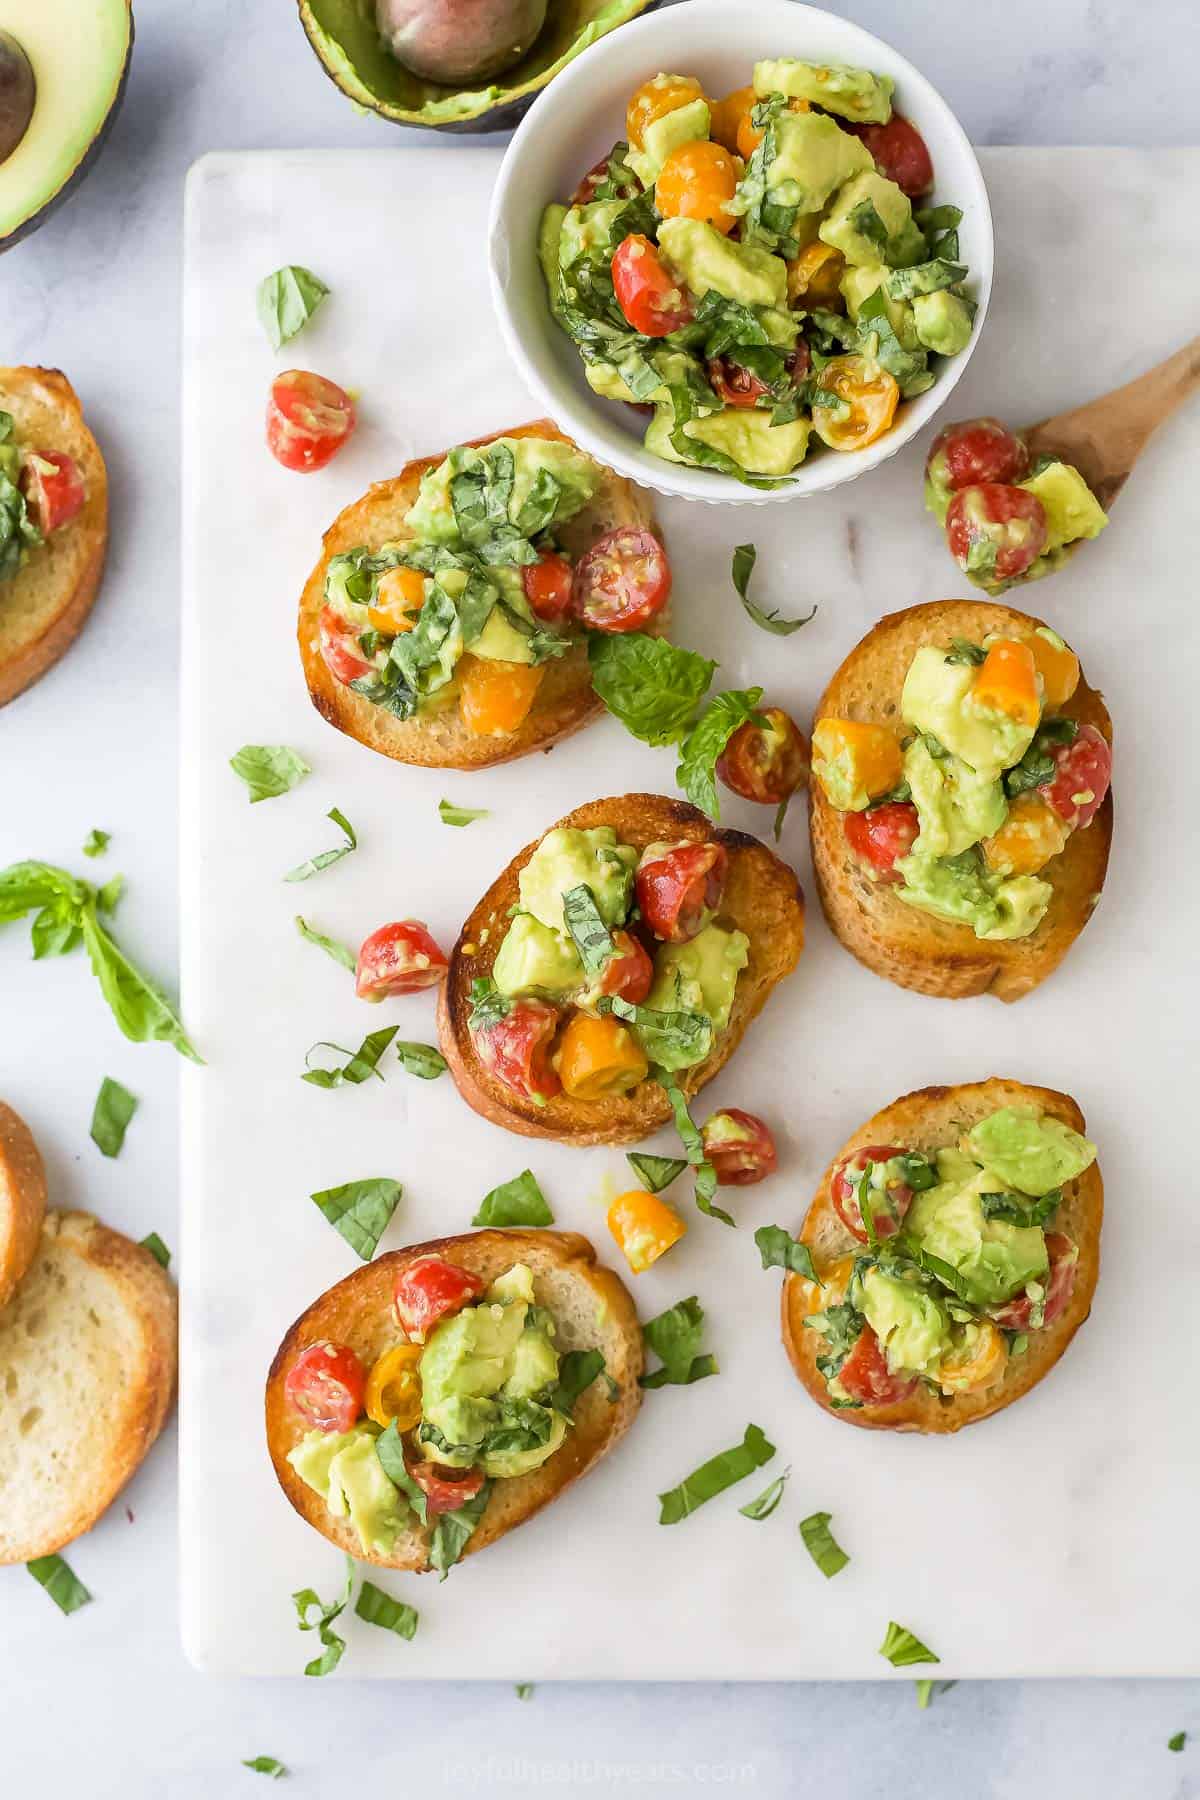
x: 269, y: 770
x: 286, y: 300
x: 721, y: 717
x: 674, y: 1337
x: 389, y: 1448
x: 515, y: 1203
x: 821, y: 1544
x: 361, y: 1211
x: 653, y: 687
x: 114, y: 1108
x: 744, y: 558
x: 326, y: 858
x: 714, y: 1476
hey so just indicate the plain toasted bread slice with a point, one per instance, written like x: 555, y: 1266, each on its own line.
x: 933, y: 1119
x: 593, y: 1310
x: 22, y: 1200
x: 43, y: 606
x: 565, y: 700
x: 908, y: 946
x: 87, y: 1372
x: 762, y: 898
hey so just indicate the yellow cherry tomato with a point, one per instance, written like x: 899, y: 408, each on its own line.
x: 599, y: 1056
x: 697, y: 181
x: 977, y: 1359
x: 869, y: 397
x: 855, y: 763
x: 814, y: 277
x: 644, y: 1226
x: 654, y: 99
x: 495, y: 697
x: 1058, y: 666
x: 1028, y: 838
x: 749, y: 136
x: 393, y: 1391
x: 399, y: 596
x: 727, y: 115
x: 1007, y: 683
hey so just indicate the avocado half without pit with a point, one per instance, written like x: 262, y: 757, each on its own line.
x: 454, y: 65
x: 62, y: 74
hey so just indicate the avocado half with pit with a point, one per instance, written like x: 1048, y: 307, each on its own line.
x: 346, y: 38
x: 63, y: 65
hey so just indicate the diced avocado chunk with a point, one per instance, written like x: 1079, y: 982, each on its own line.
x: 500, y: 641
x: 701, y: 975
x: 814, y: 154
x: 343, y: 1468
x: 943, y: 321
x: 860, y: 282
x: 912, y: 1327
x: 665, y: 134
x: 534, y: 1366
x: 705, y: 259
x: 852, y: 93
x: 937, y: 698
x: 605, y: 379
x: 535, y: 960
x: 959, y: 890
x: 431, y: 517
x: 549, y: 234
x: 746, y: 435
x: 956, y: 806
x: 505, y: 1464
x: 994, y: 1258
x: 871, y: 221
x: 567, y: 857
x: 1028, y: 1150
x: 587, y: 230
x: 1072, y: 510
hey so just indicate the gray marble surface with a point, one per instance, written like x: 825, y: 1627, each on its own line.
x: 105, y: 1698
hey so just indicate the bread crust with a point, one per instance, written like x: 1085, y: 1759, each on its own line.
x: 932, y: 1119
x: 44, y: 605
x: 22, y: 1199
x: 899, y: 942
x: 762, y: 898
x: 359, y: 1311
x: 565, y: 700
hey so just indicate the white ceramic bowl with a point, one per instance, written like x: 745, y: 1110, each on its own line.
x: 577, y: 120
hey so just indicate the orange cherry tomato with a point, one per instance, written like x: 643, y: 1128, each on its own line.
x: 1058, y: 666
x: 399, y: 597
x: 869, y: 397
x: 1007, y: 683
x: 814, y: 277
x: 597, y: 1057
x: 644, y: 1226
x: 495, y: 697
x: 726, y: 115
x: 749, y: 136
x: 393, y: 1392
x: 855, y: 762
x: 697, y: 181
x: 654, y: 99
x: 1031, y: 835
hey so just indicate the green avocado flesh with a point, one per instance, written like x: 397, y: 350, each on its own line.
x: 345, y: 37
x: 77, y: 57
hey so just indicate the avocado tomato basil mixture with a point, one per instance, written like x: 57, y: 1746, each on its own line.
x: 753, y: 268
x: 40, y: 492
x: 953, y: 1269
x: 1007, y: 518
x: 984, y: 788
x: 613, y: 962
x: 473, y: 1391
x: 470, y: 609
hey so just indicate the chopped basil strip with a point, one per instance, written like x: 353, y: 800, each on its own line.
x: 60, y: 1582
x: 422, y: 1060
x: 714, y: 1476
x: 332, y: 1645
x: 902, y: 1647
x: 821, y: 1546
x: 361, y: 1064
x: 693, y: 1148
x: 361, y: 1211
x: 765, y: 1503
x: 454, y: 1529
x: 286, y: 300
x: 744, y: 559
x: 927, y: 1689
x: 655, y: 1172
x: 460, y: 815
x: 524, y: 1690
x: 651, y: 686
x: 576, y: 1372
x: 265, y: 1765
x: 96, y: 842
x: 341, y: 953
x: 158, y: 1250
x: 674, y: 1337
x: 673, y: 1040
x: 697, y: 769
x: 114, y: 1108
x: 268, y: 770
x: 1178, y: 1741
x: 389, y: 1448
x: 378, y: 1608
x: 779, y: 1250
x: 590, y: 934
x: 326, y: 858
x: 517, y: 1202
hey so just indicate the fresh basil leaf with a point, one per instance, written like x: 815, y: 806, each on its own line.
x: 927, y: 1689
x: 779, y: 1250
x: 450, y: 814
x: 650, y: 685
x: 925, y: 277
x: 674, y: 1337
x: 361, y: 1064
x: 941, y: 1271
x: 96, y: 842
x: 821, y: 1545
x: 963, y: 651
x: 767, y: 1501
x: 1178, y: 1741
x: 114, y: 1108
x: 389, y: 1448
x: 693, y: 1148
x: 422, y: 1060
x: 1038, y: 765
x: 268, y: 770
x: 673, y: 1040
x: 840, y: 1327
x: 488, y: 1004
x: 141, y: 1011
x: 938, y: 218
x: 697, y: 770
x: 517, y: 1202
x: 454, y: 1529
x: 110, y: 893
x: 326, y: 858
x: 18, y: 532
x: 60, y: 1582
x: 158, y: 1250
x: 714, y: 1476
x: 524, y: 1690
x: 590, y: 934
x: 333, y: 1646
x: 902, y: 1648
x: 1018, y: 1209
x: 265, y: 1765
x: 361, y: 1211
x: 576, y: 1372
x: 341, y: 953
x: 744, y: 559
x: 379, y: 1608
x: 684, y: 407
x: 286, y: 300
x: 655, y: 1172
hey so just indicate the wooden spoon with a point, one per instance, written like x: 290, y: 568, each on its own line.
x: 1105, y: 438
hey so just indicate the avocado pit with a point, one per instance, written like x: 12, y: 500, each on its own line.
x: 459, y: 42
x: 18, y: 94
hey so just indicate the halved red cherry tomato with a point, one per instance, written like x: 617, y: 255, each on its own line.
x: 585, y: 193
x: 398, y: 959
x: 1082, y: 778
x: 767, y: 762
x: 428, y: 1289
x: 1059, y: 1285
x: 623, y: 582
x: 739, y: 1146
x: 339, y: 648
x: 845, y: 1196
x: 445, y: 1489
x: 53, y: 486
x: 733, y: 384
x: 653, y: 301
x: 547, y: 584
x: 900, y: 153
x: 308, y: 420
x: 677, y: 887
x: 974, y: 453
x: 629, y: 972
x: 325, y: 1384
x: 865, y: 1374
x: 516, y: 1049
x: 882, y: 835
x: 995, y: 531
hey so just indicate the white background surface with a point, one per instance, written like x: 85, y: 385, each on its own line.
x: 106, y: 1696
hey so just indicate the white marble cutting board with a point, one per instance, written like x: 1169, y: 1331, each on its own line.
x: 1058, y: 1538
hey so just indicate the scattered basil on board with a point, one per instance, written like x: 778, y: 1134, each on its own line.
x: 693, y: 1145
x: 379, y: 1608
x: 655, y: 1172
x: 96, y: 842
x: 158, y: 1250
x: 714, y: 1476
x: 744, y: 559
x: 333, y: 1646
x: 422, y: 1060
x: 265, y: 1765
x: 326, y: 858
x: 779, y: 1250
x: 361, y: 1064
x: 524, y: 1690
x: 902, y: 1647
x: 60, y: 1582
x: 674, y: 1337
x: 268, y: 770
x: 286, y: 300
x: 517, y: 1202
x: 341, y: 953
x: 765, y: 1503
x: 821, y: 1545
x: 361, y: 1211
x: 450, y: 814
x: 114, y: 1108
x: 927, y: 1690
x: 1178, y: 1741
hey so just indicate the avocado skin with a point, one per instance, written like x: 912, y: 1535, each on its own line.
x: 68, y: 187
x: 503, y: 116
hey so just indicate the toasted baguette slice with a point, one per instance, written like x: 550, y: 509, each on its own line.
x: 762, y: 898
x: 87, y: 1372
x: 908, y: 946
x: 43, y: 606
x: 593, y: 1310
x: 565, y: 700
x: 22, y: 1201
x: 933, y: 1119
